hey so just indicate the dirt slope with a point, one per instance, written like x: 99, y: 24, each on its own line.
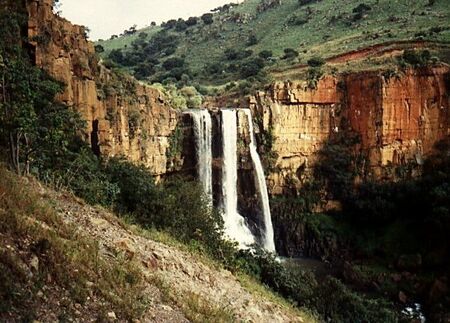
x: 178, y: 286
x: 177, y: 270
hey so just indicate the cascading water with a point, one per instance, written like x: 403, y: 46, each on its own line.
x: 235, y: 225
x: 268, y: 238
x: 203, y: 139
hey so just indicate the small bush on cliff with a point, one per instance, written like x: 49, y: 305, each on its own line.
x: 416, y: 58
x: 290, y: 53
x: 316, y: 61
x: 313, y: 77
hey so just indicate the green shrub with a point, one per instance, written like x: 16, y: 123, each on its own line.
x: 316, y: 61
x: 116, y: 55
x: 251, y: 67
x: 304, y: 2
x: 192, y: 21
x: 266, y: 54
x: 416, y: 58
x: 313, y: 77
x: 298, y: 20
x: 252, y: 40
x: 193, y: 98
x: 181, y: 25
x: 173, y: 62
x: 338, y: 303
x: 207, y: 18
x: 290, y: 53
x: 99, y: 49
x: 330, y: 297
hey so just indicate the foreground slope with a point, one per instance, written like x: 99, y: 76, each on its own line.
x: 61, y: 258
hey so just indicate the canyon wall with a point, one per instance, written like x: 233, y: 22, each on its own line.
x: 124, y: 117
x: 397, y: 121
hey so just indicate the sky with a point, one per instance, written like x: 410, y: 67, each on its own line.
x: 107, y: 17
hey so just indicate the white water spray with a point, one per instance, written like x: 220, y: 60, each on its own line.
x: 268, y: 239
x: 203, y: 139
x: 235, y: 225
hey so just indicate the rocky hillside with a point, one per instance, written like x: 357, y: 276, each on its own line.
x: 72, y: 260
x: 236, y: 42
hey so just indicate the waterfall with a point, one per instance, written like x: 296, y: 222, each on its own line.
x: 268, y: 238
x: 203, y: 139
x: 235, y: 225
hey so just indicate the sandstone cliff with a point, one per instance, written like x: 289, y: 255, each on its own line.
x: 123, y: 116
x: 397, y: 120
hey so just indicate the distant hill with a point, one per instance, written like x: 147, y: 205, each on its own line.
x: 239, y: 41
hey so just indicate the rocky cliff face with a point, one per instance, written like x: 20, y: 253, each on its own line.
x: 397, y: 121
x: 123, y: 117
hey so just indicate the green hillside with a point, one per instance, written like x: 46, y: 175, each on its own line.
x: 265, y: 34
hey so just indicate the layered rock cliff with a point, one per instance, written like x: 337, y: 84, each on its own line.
x: 397, y: 121
x: 123, y: 116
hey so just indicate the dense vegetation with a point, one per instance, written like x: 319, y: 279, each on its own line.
x: 381, y: 229
x: 42, y: 146
x: 40, y: 136
x: 238, y: 43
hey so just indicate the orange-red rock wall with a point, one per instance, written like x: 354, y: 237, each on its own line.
x: 133, y: 120
x: 398, y: 120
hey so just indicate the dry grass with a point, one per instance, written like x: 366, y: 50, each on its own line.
x: 66, y: 258
x: 262, y: 291
x: 194, y: 307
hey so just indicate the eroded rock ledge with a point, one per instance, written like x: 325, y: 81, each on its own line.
x: 397, y: 120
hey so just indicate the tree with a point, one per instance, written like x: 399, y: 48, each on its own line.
x: 99, y: 49
x: 303, y: 2
x: 181, y: 25
x: 252, y: 40
x: 131, y: 31
x: 207, y: 18
x: 266, y: 54
x: 290, y: 53
x: 192, y: 21
x: 316, y: 61
x: 252, y: 67
x: 170, y: 24
x: 193, y: 98
x: 173, y: 62
x: 116, y: 55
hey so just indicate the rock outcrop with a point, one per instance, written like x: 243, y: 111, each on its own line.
x: 123, y: 116
x: 398, y: 120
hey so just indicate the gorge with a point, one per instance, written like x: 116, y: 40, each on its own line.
x: 344, y: 159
